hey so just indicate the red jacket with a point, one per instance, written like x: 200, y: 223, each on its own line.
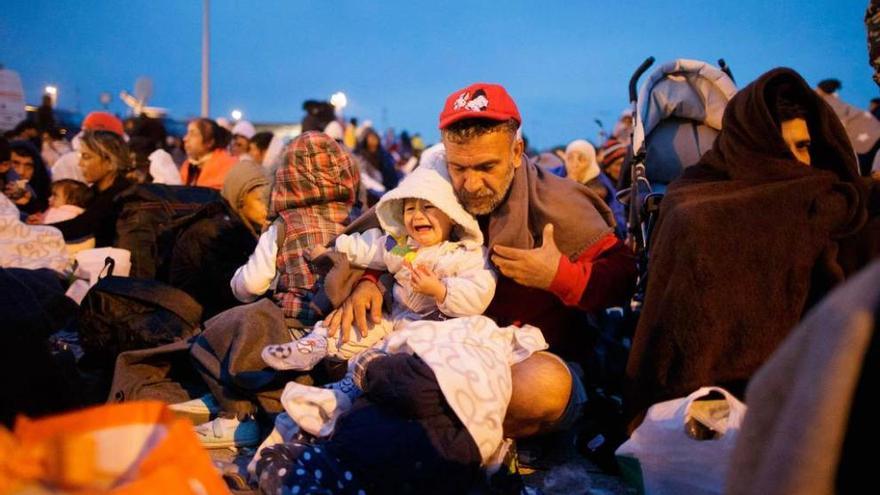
x: 603, y: 276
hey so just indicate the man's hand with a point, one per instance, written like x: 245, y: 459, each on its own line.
x: 425, y: 281
x: 530, y: 267
x: 365, y: 296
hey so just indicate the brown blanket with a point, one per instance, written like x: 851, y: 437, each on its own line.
x: 746, y: 241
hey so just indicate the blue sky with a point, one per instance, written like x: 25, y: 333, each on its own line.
x: 565, y: 63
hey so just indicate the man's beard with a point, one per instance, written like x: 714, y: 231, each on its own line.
x: 485, y: 201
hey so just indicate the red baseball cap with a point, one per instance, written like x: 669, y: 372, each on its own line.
x: 479, y: 100
x: 103, y: 121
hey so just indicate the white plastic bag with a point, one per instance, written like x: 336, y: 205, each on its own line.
x: 662, y: 459
x: 89, y: 266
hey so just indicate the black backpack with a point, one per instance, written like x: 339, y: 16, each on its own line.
x: 146, y: 212
x: 122, y: 314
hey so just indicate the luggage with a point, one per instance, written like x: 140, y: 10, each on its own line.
x: 147, y: 213
x: 122, y: 314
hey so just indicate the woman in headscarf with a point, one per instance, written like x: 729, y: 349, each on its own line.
x: 218, y: 238
x: 581, y: 166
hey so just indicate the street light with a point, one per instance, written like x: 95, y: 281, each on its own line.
x: 338, y: 100
x: 52, y: 91
x: 236, y: 115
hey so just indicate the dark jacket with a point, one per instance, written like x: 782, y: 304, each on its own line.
x: 206, y: 254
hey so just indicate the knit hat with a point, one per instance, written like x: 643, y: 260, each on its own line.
x: 480, y: 100
x: 582, y: 146
x: 241, y: 179
x: 612, y: 151
x: 244, y: 128
x: 103, y: 121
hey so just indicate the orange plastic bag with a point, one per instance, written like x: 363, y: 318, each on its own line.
x: 130, y: 448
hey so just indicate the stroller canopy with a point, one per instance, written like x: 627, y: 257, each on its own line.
x: 678, y: 115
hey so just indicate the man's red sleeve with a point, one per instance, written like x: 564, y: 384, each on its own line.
x: 372, y: 275
x: 602, y: 276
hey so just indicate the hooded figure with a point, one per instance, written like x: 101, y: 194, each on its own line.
x: 311, y: 202
x: 747, y: 240
x: 215, y: 240
x: 455, y: 256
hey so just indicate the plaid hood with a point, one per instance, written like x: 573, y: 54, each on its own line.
x: 316, y: 171
x: 313, y: 198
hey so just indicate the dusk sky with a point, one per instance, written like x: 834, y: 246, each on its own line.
x: 565, y: 63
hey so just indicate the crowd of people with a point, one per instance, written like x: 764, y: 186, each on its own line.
x: 384, y: 316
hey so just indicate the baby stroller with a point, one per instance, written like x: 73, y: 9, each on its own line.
x: 677, y: 115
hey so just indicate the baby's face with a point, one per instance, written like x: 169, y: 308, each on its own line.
x: 425, y: 223
x: 57, y: 198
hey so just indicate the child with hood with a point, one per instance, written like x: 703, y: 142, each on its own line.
x: 311, y: 202
x: 215, y: 240
x: 434, y: 249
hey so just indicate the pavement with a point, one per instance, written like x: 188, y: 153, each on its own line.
x: 575, y: 475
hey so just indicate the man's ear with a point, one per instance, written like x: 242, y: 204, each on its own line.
x: 517, y: 151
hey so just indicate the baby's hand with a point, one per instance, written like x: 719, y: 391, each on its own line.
x: 425, y: 281
x: 35, y: 219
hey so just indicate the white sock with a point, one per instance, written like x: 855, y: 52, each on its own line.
x: 314, y: 409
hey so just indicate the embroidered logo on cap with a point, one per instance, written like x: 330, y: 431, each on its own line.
x: 476, y: 104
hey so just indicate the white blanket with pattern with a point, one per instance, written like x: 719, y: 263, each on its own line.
x: 471, y: 358
x: 29, y: 246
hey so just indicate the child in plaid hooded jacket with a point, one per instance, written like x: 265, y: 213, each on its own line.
x: 312, y: 200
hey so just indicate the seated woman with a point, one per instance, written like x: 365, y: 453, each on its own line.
x: 207, y: 161
x: 104, y: 159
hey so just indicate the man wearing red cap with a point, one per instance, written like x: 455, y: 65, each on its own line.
x: 551, y: 239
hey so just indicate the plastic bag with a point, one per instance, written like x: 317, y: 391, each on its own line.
x: 120, y: 449
x: 91, y: 264
x: 681, y: 447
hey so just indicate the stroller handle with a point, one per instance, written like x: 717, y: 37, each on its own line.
x: 635, y: 78
x: 726, y: 69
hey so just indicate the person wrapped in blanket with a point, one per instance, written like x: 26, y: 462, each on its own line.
x: 454, y: 364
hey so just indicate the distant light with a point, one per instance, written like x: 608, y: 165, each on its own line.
x: 236, y: 114
x: 52, y: 91
x: 338, y: 100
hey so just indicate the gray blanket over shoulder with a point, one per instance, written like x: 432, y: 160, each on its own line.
x: 800, y: 400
